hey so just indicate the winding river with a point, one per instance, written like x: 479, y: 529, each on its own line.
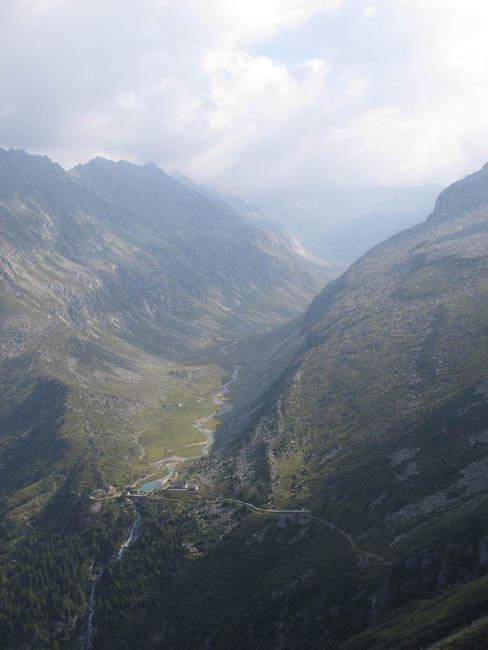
x: 171, y: 462
x: 85, y: 638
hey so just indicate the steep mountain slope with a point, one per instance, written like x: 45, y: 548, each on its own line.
x: 136, y: 251
x: 217, y: 255
x: 395, y: 340
x: 111, y: 276
x: 114, y: 266
x: 255, y: 213
x: 374, y: 421
x: 379, y: 424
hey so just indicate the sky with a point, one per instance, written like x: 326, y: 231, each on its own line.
x: 251, y: 95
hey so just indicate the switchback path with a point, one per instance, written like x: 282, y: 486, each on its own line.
x: 308, y: 514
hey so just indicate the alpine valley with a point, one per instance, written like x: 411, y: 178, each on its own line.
x: 198, y: 454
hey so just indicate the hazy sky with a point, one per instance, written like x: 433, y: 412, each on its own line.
x: 251, y: 94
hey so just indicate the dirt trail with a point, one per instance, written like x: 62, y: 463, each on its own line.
x: 329, y: 524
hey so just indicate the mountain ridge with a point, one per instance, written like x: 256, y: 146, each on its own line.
x: 142, y: 202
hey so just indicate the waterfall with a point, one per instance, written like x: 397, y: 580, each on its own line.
x: 134, y: 531
x: 85, y: 637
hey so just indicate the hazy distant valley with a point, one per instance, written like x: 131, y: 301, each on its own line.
x: 340, y: 502
x: 335, y: 224
x: 342, y: 223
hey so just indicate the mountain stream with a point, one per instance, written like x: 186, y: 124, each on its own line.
x: 171, y: 462
x: 85, y: 637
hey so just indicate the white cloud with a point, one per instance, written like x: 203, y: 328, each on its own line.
x: 6, y: 110
x: 253, y: 104
x: 197, y: 86
x: 370, y: 11
x: 42, y: 6
x: 240, y: 21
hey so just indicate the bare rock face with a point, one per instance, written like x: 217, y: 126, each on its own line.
x: 470, y: 193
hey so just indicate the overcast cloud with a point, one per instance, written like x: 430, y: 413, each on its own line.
x: 251, y: 94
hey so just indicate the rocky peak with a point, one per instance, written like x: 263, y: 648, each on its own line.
x: 462, y: 196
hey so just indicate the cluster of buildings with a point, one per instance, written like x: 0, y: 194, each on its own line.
x: 172, y: 485
x: 182, y: 485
